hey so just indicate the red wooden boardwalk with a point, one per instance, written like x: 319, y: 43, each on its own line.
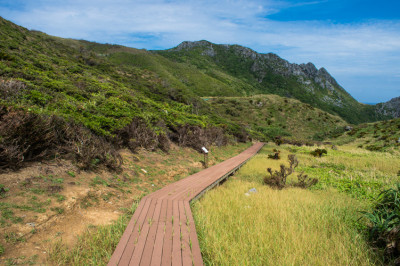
x: 162, y: 229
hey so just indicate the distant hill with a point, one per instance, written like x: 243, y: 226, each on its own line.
x: 272, y: 115
x: 390, y: 108
x: 268, y: 73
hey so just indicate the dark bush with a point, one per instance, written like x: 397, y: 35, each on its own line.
x: 91, y: 151
x: 304, y: 181
x: 278, y: 141
x: 298, y: 142
x: 277, y: 179
x: 374, y: 148
x: 138, y: 135
x: 197, y: 137
x: 319, y: 152
x: 27, y: 137
x: 275, y: 155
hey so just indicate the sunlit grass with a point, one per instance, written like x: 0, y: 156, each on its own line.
x: 372, y: 164
x: 270, y: 227
x: 295, y: 226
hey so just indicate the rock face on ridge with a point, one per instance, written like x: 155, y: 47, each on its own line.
x: 271, y: 60
x: 270, y: 74
x: 390, y: 108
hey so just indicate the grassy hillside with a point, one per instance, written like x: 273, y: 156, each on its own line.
x: 42, y: 74
x: 60, y: 97
x: 268, y: 73
x: 271, y: 116
x: 378, y: 136
x: 136, y: 98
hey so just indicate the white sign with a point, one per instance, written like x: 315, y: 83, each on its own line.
x: 204, y: 149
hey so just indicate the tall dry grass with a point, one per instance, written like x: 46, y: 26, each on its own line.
x: 270, y: 227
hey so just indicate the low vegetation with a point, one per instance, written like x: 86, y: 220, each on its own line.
x: 384, y: 224
x: 285, y: 227
x: 271, y: 116
x: 95, y: 246
x: 298, y: 226
x: 277, y: 179
x: 378, y: 136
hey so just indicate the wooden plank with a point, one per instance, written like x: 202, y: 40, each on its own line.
x: 186, y: 252
x: 176, y: 236
x: 158, y: 245
x: 130, y: 246
x: 115, y: 258
x: 146, y: 240
x: 167, y: 244
x: 193, y: 241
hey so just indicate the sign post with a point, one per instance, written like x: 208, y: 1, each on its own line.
x: 205, y: 157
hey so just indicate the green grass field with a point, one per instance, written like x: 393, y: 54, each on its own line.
x: 317, y: 226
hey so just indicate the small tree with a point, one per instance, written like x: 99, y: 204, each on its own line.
x: 277, y: 179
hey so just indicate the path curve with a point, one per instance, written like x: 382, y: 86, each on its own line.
x: 162, y: 229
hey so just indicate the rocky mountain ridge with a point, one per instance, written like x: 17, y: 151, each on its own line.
x: 390, y: 108
x: 269, y: 73
x: 308, y: 71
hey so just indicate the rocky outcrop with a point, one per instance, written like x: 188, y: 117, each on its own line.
x: 308, y: 75
x: 390, y: 108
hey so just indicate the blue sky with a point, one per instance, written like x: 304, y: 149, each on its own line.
x: 357, y: 41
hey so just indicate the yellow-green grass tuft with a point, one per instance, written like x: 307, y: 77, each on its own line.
x: 270, y: 227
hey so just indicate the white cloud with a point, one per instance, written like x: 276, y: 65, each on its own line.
x: 344, y: 49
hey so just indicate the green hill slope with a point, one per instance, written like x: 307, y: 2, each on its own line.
x: 134, y: 97
x: 268, y: 73
x: 51, y: 75
x: 378, y: 136
x: 271, y: 116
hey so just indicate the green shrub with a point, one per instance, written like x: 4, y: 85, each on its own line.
x: 384, y: 227
x: 319, y: 152
x: 275, y: 155
x: 277, y: 179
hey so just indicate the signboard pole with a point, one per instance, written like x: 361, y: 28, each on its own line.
x: 205, y: 157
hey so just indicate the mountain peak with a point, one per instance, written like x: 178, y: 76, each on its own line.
x: 187, y: 45
x: 391, y: 108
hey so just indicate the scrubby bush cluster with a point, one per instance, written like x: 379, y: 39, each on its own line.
x: 138, y: 134
x: 27, y: 137
x: 275, y: 155
x: 196, y: 137
x: 384, y: 228
x: 277, y: 179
